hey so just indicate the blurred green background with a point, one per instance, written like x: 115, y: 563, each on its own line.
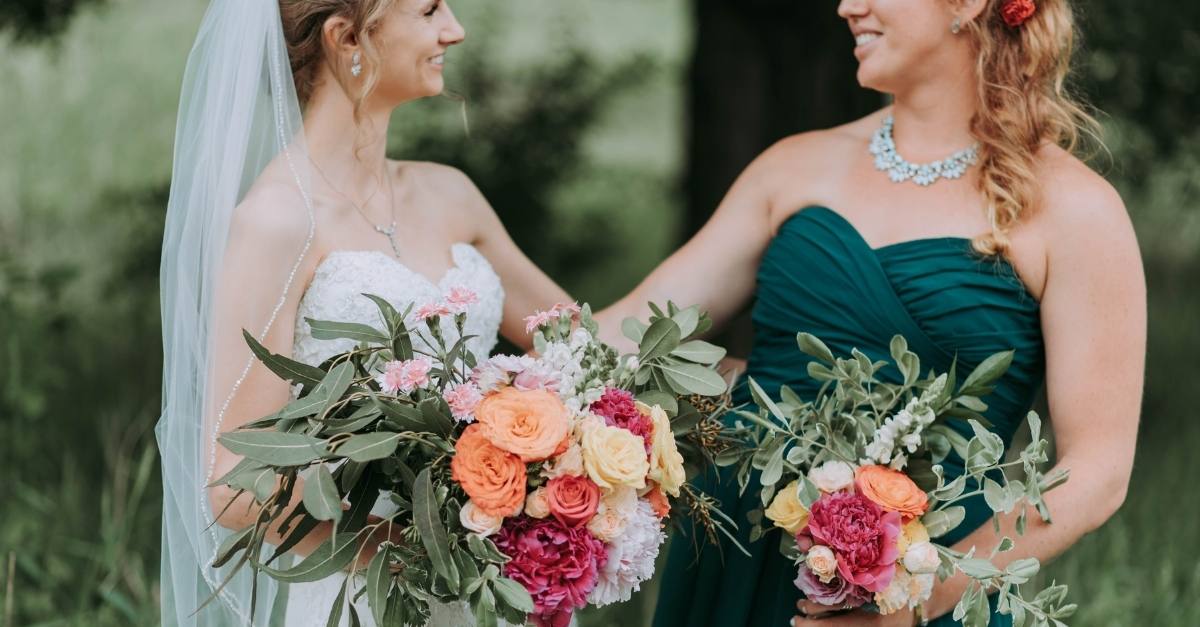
x: 602, y: 131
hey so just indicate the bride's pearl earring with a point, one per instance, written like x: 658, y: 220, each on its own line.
x: 356, y: 67
x: 955, y: 27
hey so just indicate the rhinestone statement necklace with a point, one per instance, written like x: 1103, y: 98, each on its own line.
x: 883, y: 147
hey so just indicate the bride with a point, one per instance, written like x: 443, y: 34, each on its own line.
x: 275, y: 217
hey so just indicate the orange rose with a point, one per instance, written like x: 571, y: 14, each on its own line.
x: 492, y: 477
x: 891, y: 490
x: 530, y: 423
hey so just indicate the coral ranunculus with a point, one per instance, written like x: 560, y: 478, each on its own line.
x: 861, y: 534
x: 892, y: 490
x: 572, y: 500
x: 529, y: 423
x: 557, y: 564
x: 1015, y: 12
x: 492, y: 477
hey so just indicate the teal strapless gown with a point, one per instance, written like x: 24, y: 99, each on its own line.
x: 820, y: 276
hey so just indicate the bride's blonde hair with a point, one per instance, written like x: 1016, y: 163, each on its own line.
x: 303, y: 23
x: 1023, y: 105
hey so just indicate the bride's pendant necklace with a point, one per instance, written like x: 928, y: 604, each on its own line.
x: 883, y: 147
x: 388, y: 231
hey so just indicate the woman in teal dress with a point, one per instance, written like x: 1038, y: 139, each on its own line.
x: 1009, y: 243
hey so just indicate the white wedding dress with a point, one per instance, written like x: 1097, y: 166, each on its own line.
x: 335, y: 293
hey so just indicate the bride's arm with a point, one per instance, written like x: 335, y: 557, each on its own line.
x: 267, y: 233
x: 526, y: 287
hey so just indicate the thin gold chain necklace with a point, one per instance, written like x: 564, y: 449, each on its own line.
x: 388, y: 231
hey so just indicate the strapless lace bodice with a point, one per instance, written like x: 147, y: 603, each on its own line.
x: 336, y: 294
x: 341, y: 279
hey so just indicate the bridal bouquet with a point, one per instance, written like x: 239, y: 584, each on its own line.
x: 854, y: 478
x: 523, y: 486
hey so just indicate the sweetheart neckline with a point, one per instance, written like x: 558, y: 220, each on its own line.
x: 456, y: 265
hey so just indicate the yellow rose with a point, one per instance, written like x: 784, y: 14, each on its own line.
x: 614, y: 457
x: 786, y: 510
x: 910, y: 534
x: 666, y: 464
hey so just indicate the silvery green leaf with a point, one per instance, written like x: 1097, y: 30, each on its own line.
x: 957, y: 442
x: 898, y: 347
x: 979, y: 381
x: 687, y: 319
x: 379, y: 582
x: 321, y: 497
x: 660, y: 339
x: 699, y: 351
x: 764, y: 401
x: 484, y: 549
x: 369, y: 446
x: 820, y: 371
x: 660, y: 398
x: 274, y: 448
x: 942, y: 521
x: 938, y: 446
x: 951, y: 490
x: 978, y: 568
x: 812, y: 346
x: 513, y: 594
x: 289, y: 369
x: 633, y: 329
x: 232, y: 543
x: 808, y: 492
x: 1024, y: 569
x: 1006, y: 544
x: 979, y: 614
x: 694, y: 378
x: 995, y: 495
x: 789, y: 396
x: 972, y: 403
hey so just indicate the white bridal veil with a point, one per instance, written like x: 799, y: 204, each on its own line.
x: 227, y: 265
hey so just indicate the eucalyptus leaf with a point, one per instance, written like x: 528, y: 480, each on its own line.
x: 379, y: 582
x: 660, y: 398
x: 321, y: 497
x: 330, y: 557
x: 428, y: 520
x: 633, y: 329
x: 274, y: 448
x: 328, y: 330
x: 288, y: 369
x: 369, y: 446
x: 979, y: 381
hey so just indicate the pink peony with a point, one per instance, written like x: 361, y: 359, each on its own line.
x: 837, y: 592
x: 618, y: 410
x: 463, y: 398
x: 557, y: 564
x: 862, y: 535
x: 429, y: 310
x: 405, y: 376
x: 459, y: 299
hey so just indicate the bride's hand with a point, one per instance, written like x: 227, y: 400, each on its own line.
x: 816, y: 615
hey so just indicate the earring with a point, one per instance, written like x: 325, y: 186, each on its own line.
x: 356, y: 68
x: 955, y: 27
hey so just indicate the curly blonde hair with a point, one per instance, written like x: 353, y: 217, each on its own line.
x: 1024, y: 104
x: 303, y: 24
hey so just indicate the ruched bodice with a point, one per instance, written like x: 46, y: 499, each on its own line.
x: 820, y: 276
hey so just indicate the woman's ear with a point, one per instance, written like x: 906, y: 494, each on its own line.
x: 339, y: 37
x: 969, y: 10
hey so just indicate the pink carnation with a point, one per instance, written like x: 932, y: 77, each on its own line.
x: 537, y: 379
x: 558, y: 565
x: 405, y: 376
x: 862, y: 535
x: 429, y: 310
x: 463, y: 398
x: 617, y: 408
x: 837, y: 592
x: 564, y: 309
x: 459, y: 299
x: 536, y: 320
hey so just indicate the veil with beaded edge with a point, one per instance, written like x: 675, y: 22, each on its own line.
x: 238, y: 230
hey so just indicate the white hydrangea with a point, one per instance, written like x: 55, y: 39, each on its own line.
x: 631, y: 557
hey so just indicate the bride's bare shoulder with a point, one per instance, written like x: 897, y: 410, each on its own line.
x: 274, y: 211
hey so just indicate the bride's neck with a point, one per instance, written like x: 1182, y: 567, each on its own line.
x: 350, y: 152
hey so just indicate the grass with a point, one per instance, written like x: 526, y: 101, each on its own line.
x: 88, y: 128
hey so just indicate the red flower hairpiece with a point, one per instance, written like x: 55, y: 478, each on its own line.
x: 1015, y: 12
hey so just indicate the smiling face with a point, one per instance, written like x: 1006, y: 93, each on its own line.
x: 901, y: 42
x: 412, y: 40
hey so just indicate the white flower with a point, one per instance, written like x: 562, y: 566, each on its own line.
x: 536, y: 505
x: 921, y: 558
x: 920, y: 588
x: 570, y: 462
x: 613, y: 513
x: 631, y: 557
x: 832, y: 476
x: 822, y: 562
x: 896, y: 596
x: 476, y: 520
